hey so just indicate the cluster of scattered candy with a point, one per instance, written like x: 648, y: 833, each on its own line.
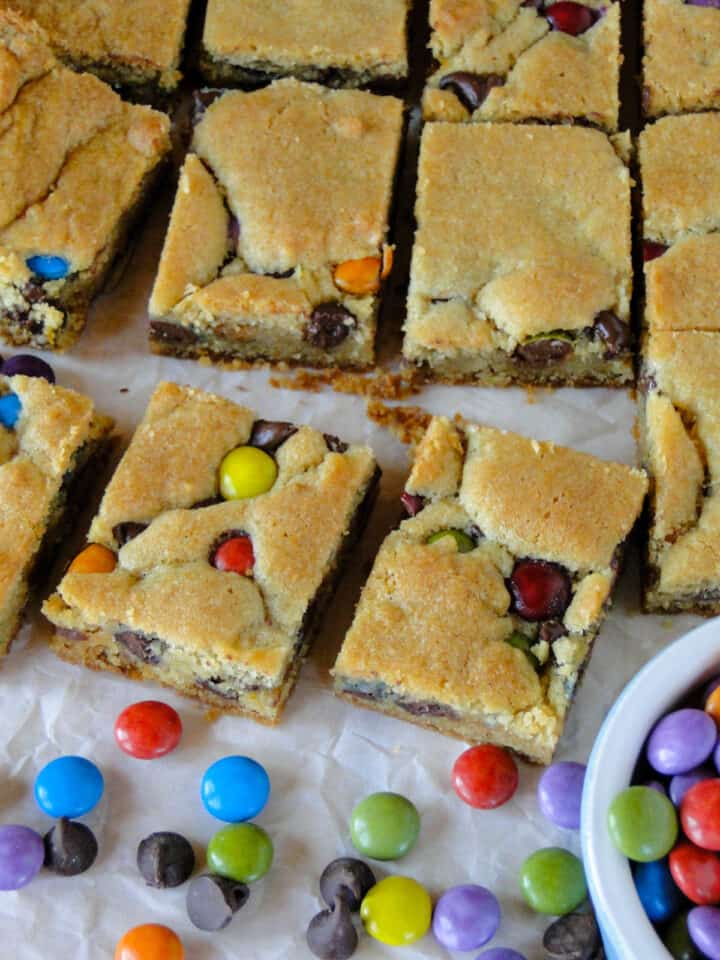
x: 28, y: 366
x: 677, y: 785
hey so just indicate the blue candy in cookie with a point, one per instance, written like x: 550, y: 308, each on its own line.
x: 10, y: 408
x: 48, y: 267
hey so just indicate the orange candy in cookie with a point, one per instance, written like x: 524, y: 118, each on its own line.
x: 362, y: 277
x: 94, y: 559
x: 151, y: 941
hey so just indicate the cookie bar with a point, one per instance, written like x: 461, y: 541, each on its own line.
x: 276, y: 248
x: 50, y: 439
x: 480, y: 613
x: 680, y: 171
x: 216, y: 567
x: 520, y: 273
x: 344, y: 44
x: 682, y: 59
x: 514, y: 60
x: 136, y: 45
x: 77, y: 163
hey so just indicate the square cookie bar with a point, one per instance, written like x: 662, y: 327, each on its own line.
x: 276, y: 248
x: 680, y: 169
x: 51, y: 439
x: 217, y: 543
x: 480, y: 613
x: 515, y: 60
x: 681, y: 440
x: 344, y: 44
x: 682, y: 56
x: 77, y: 164
x: 520, y: 273
x: 134, y: 45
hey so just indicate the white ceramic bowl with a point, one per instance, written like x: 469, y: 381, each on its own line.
x: 658, y: 687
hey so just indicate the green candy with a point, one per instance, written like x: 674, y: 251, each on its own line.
x: 677, y: 940
x: 521, y: 642
x: 552, y: 880
x: 464, y: 542
x: 643, y: 824
x: 384, y: 826
x: 241, y: 852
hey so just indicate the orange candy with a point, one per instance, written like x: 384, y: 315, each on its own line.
x: 151, y: 941
x: 361, y: 277
x: 712, y: 705
x: 94, y: 559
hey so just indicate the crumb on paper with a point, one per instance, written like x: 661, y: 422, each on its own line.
x: 124, y: 389
x: 530, y: 394
x: 382, y: 384
x: 212, y: 715
x: 407, y: 423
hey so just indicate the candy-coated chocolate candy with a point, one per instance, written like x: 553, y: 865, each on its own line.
x: 70, y: 848
x: 712, y: 704
x: 150, y: 941
x: 397, y: 911
x: 656, y: 888
x: 466, y: 917
x: 26, y: 365
x: 347, y: 878
x: 21, y: 856
x: 241, y: 852
x: 148, y: 729
x: 46, y: 266
x: 485, y: 776
x: 95, y: 558
x: 246, y: 472
x: 716, y: 757
x: 704, y: 929
x: 697, y: 873
x: 681, y: 782
x: 165, y: 859
x: 68, y: 787
x: 570, y: 17
x: 552, y: 880
x: 331, y: 934
x: 213, y: 901
x: 643, y: 824
x: 700, y: 814
x: 560, y: 793
x: 412, y: 502
x: 501, y: 953
x: 681, y: 741
x: 384, y: 826
x: 235, y: 789
x: 540, y: 590
x: 10, y: 407
x: 463, y: 542
x: 677, y: 939
x: 235, y: 555
x: 655, y: 785
x: 652, y: 250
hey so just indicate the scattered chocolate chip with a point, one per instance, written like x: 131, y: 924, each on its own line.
x: 329, y: 325
x: 331, y: 934
x: 283, y: 275
x: 233, y: 231
x: 75, y: 636
x: 34, y: 292
x: 542, y: 351
x: 171, y: 332
x: 412, y: 502
x: 423, y: 708
x: 614, y: 333
x: 652, y: 250
x: 335, y: 444
x: 165, y: 859
x: 347, y: 878
x: 215, y: 685
x: 70, y: 848
x: 550, y: 631
x: 147, y: 649
x: 475, y: 532
x: 127, y: 531
x: 207, y: 502
x: 212, y: 901
x: 573, y: 937
x: 471, y: 89
x: 270, y: 434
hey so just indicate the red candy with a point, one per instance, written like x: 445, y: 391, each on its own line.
x: 700, y: 814
x: 540, y: 590
x: 652, y: 250
x: 697, y: 873
x: 235, y: 555
x: 572, y: 18
x: 148, y: 729
x: 485, y: 776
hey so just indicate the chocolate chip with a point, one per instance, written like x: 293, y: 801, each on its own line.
x: 233, y: 231
x: 614, y: 333
x: 212, y: 901
x: 147, y: 649
x: 75, y: 636
x: 475, y: 532
x: 423, y: 708
x: 573, y: 937
x: 127, y: 531
x: 34, y: 292
x: 165, y: 859
x: 283, y: 275
x: 334, y: 444
x: 544, y: 350
x: 215, y: 685
x: 172, y: 332
x: 70, y: 848
x: 550, y: 631
x: 329, y: 324
x: 412, y: 502
x: 471, y: 89
x: 331, y: 934
x: 270, y: 434
x: 652, y: 250
x: 207, y: 502
x: 347, y: 878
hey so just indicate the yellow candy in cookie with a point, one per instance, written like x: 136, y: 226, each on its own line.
x: 246, y: 472
x: 94, y: 559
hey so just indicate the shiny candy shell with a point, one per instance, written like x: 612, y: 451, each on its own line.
x: 235, y: 555
x: 150, y: 941
x: 656, y: 888
x: 397, y: 911
x: 560, y: 794
x: 681, y: 741
x: 643, y: 824
x: 696, y: 872
x: 21, y: 855
x: 700, y: 814
x: 384, y: 826
x: 10, y: 408
x: 500, y: 953
x: 466, y: 917
x: 48, y: 267
x: 69, y: 787
x: 95, y: 558
x: 704, y: 929
x: 552, y: 881
x: 235, y: 789
x: 246, y: 472
x: 677, y: 939
x: 241, y: 852
x: 26, y: 365
x: 485, y: 776
x: 148, y: 729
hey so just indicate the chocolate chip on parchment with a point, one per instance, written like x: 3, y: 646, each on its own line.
x: 70, y: 848
x: 573, y: 937
x: 331, y: 934
x: 165, y: 859
x: 212, y: 901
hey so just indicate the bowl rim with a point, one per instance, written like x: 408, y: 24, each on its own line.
x: 687, y: 662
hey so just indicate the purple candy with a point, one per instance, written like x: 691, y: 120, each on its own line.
x: 21, y: 855
x: 681, y: 782
x: 500, y: 953
x: 655, y: 785
x: 466, y: 917
x: 704, y: 929
x: 28, y: 366
x: 560, y: 793
x: 681, y: 741
x: 703, y: 3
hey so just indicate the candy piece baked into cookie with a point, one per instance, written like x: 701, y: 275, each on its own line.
x: 216, y: 545
x: 277, y: 244
x: 50, y: 440
x: 480, y: 613
x: 517, y: 60
x: 682, y: 60
x: 77, y: 165
x: 135, y: 45
x: 344, y: 44
x: 520, y: 273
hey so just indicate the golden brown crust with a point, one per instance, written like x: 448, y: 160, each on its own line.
x: 682, y: 286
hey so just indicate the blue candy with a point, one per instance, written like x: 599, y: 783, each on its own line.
x: 235, y: 789
x: 656, y: 888
x: 48, y: 267
x: 68, y: 787
x: 10, y: 408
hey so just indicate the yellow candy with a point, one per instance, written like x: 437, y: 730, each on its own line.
x: 246, y: 472
x: 712, y: 705
x: 94, y: 559
x: 397, y: 911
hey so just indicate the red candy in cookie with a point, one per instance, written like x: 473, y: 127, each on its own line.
x: 569, y: 17
x: 700, y: 814
x: 485, y: 776
x: 148, y: 729
x: 235, y: 555
x: 697, y: 873
x: 540, y: 590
